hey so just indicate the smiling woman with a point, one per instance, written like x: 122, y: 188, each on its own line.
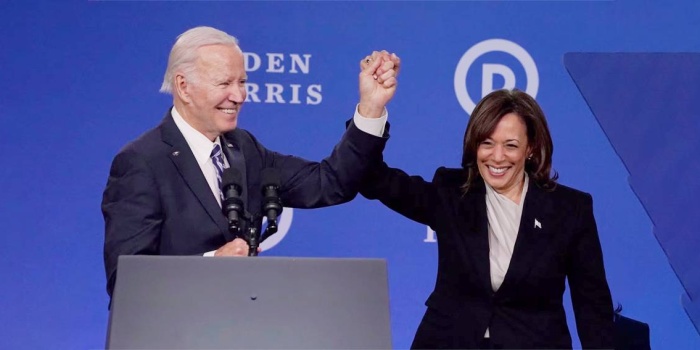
x: 505, y: 127
x: 501, y: 157
x: 508, y: 238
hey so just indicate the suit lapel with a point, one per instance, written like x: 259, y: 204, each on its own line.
x: 534, y: 234
x: 477, y: 241
x: 181, y: 155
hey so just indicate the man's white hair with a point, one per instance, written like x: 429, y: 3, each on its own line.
x: 184, y: 53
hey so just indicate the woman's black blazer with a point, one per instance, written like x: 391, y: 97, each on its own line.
x: 558, y: 239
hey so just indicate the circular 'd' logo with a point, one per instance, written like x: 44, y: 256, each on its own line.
x: 489, y: 70
x: 284, y: 222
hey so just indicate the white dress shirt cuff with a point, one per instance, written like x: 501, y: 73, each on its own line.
x: 372, y: 126
x: 211, y: 253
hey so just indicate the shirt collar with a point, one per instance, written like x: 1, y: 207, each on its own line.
x: 200, y: 145
x: 490, y: 191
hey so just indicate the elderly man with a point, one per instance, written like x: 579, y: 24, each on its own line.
x: 163, y: 194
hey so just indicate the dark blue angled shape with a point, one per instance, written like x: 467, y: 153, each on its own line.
x: 648, y: 105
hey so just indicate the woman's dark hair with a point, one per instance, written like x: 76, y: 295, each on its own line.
x: 484, y: 119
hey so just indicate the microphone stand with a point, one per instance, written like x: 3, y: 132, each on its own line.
x: 269, y: 230
x: 251, y: 234
x: 254, y: 237
x: 245, y: 224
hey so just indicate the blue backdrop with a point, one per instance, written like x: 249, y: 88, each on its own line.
x: 80, y: 78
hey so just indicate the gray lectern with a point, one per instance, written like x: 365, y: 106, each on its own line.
x: 169, y: 302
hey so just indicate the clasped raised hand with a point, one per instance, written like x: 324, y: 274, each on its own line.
x: 378, y: 80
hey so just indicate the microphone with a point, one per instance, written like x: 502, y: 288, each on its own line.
x: 272, y: 205
x: 232, y: 206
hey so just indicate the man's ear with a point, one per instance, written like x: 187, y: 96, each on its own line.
x: 181, y: 88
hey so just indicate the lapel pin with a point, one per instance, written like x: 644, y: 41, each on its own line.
x: 176, y: 153
x: 229, y: 145
x: 538, y: 224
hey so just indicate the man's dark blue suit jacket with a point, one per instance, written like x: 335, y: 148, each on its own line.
x: 157, y: 201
